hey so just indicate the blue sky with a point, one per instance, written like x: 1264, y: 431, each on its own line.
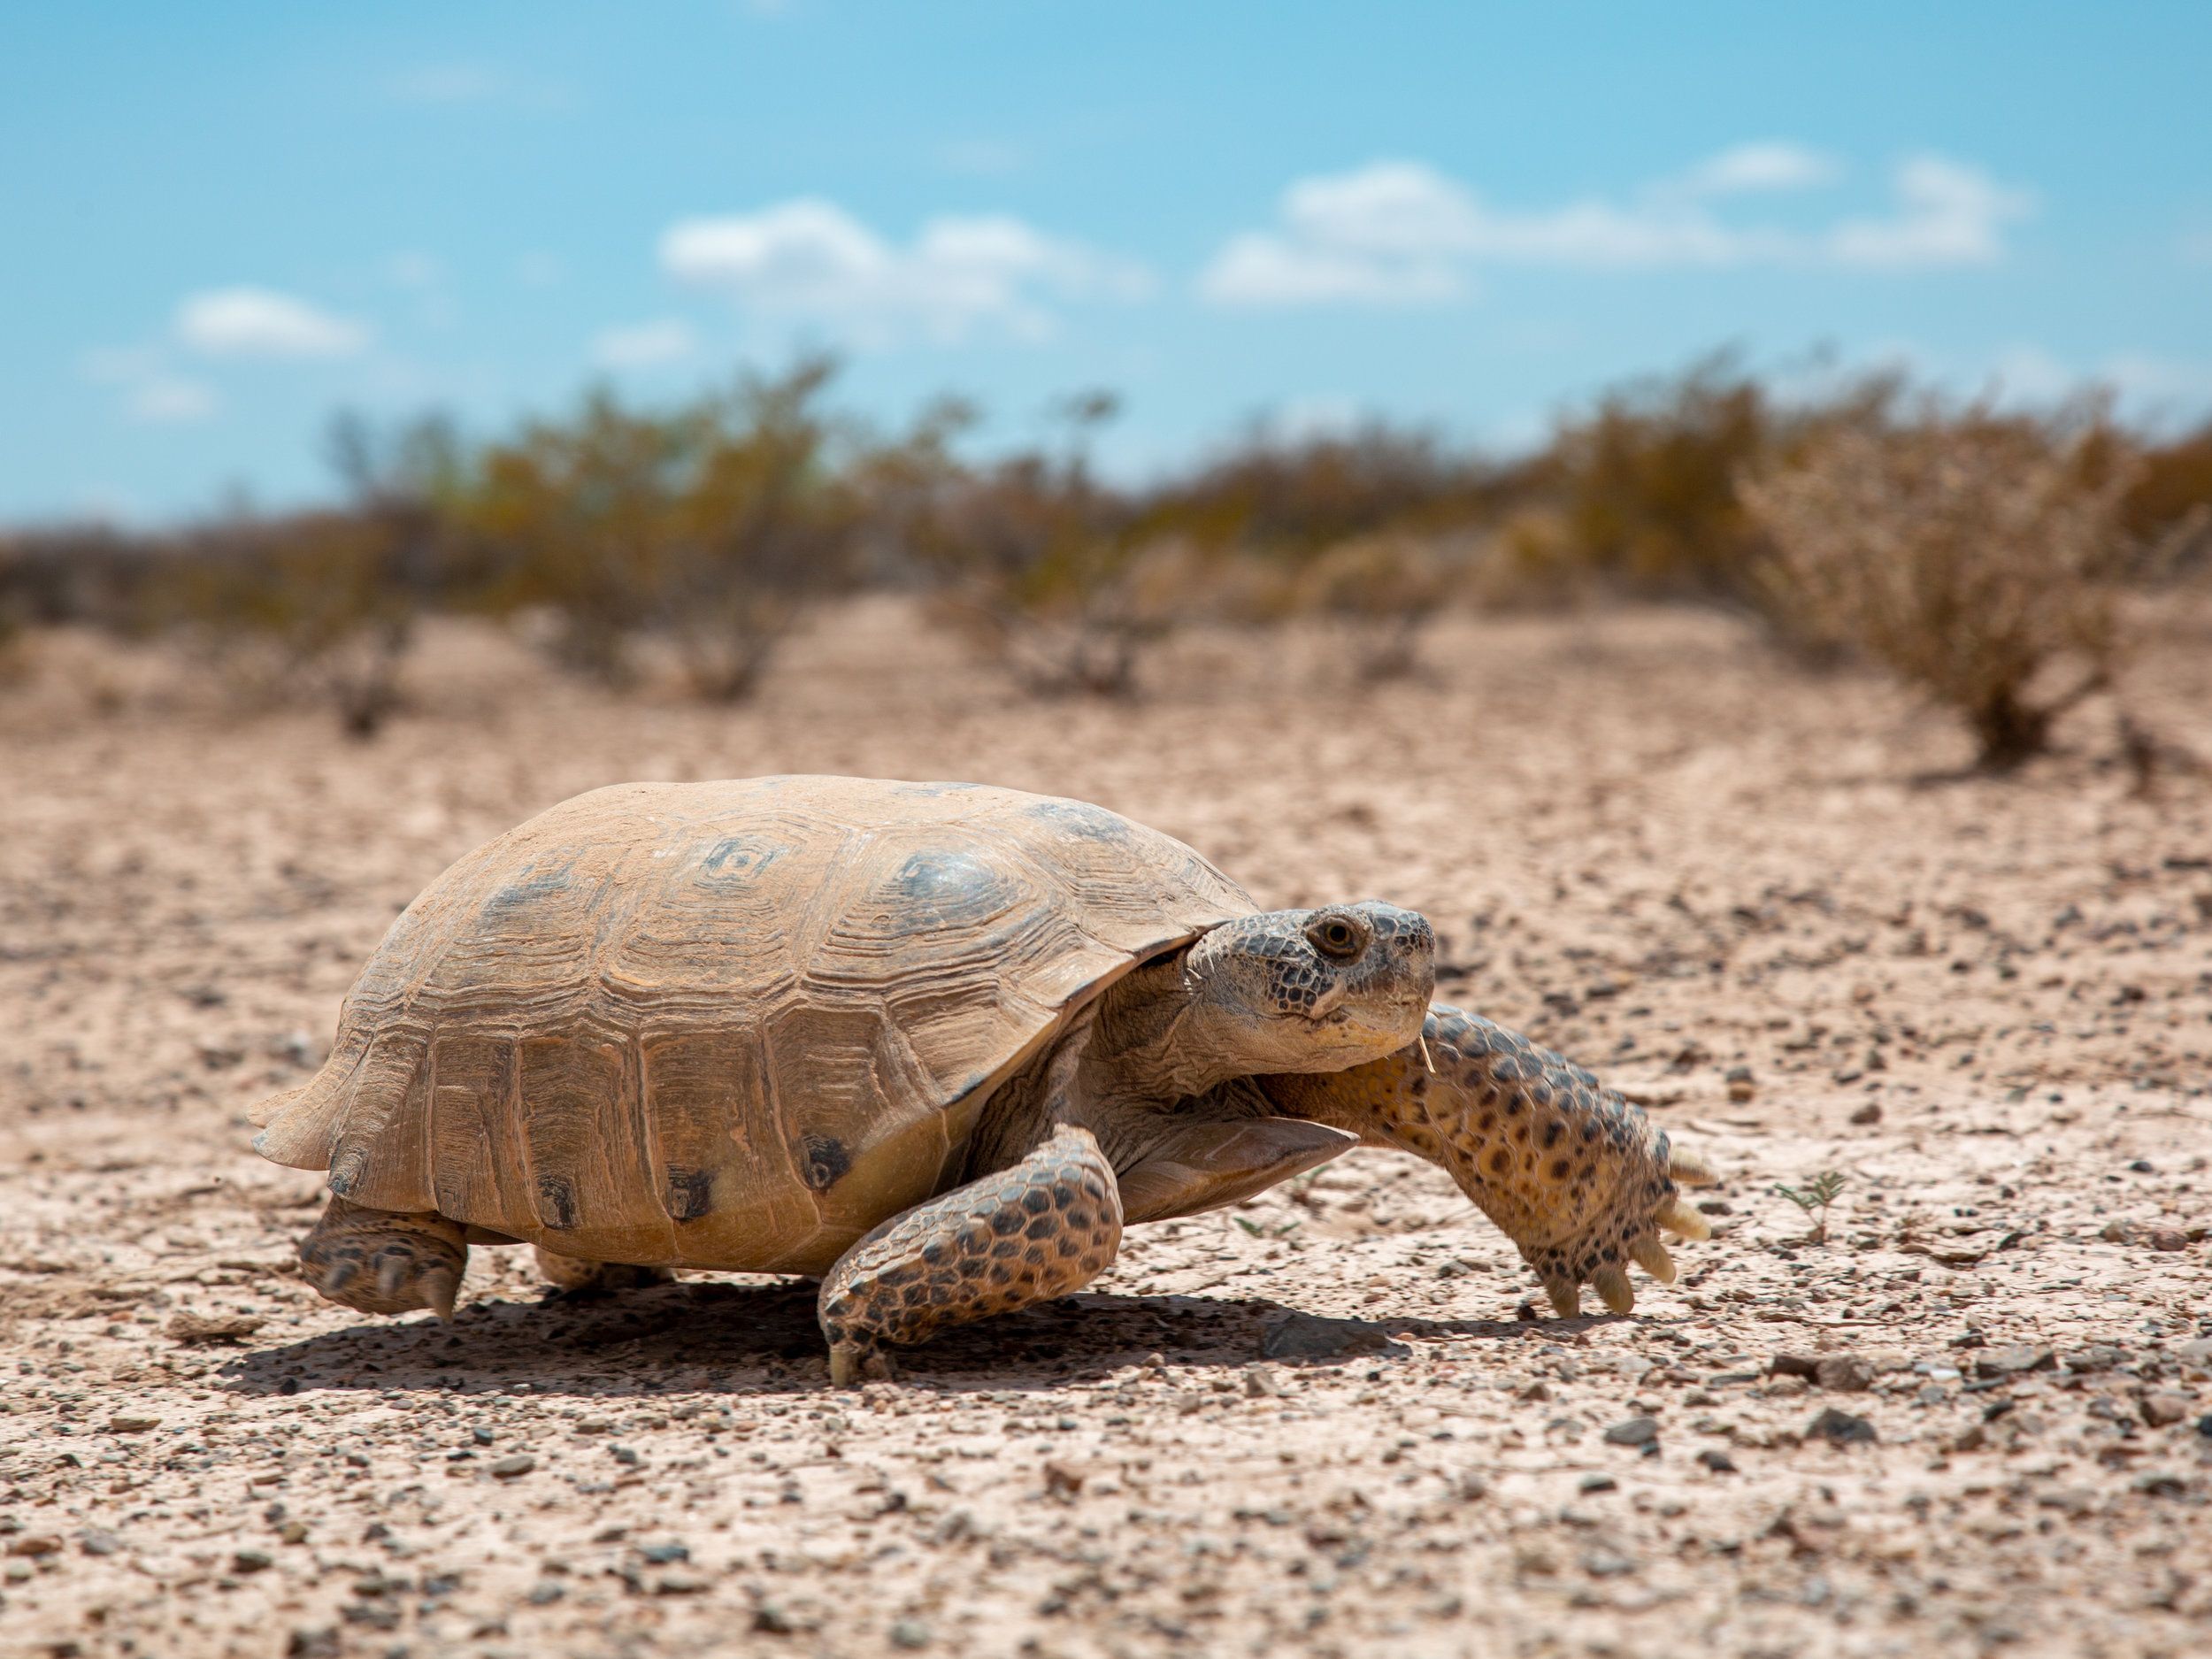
x: 221, y: 222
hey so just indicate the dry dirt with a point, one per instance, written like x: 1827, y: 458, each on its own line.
x: 1987, y: 1005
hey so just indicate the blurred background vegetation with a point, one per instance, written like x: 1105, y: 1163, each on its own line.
x: 1980, y: 555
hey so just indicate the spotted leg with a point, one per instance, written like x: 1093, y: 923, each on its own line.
x: 1576, y: 1177
x: 380, y: 1261
x: 1040, y: 1228
x: 580, y: 1278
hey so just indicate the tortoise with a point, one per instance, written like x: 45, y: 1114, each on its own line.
x: 936, y: 1044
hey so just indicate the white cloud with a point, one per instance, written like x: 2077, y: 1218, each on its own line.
x: 1770, y: 165
x: 1402, y: 232
x: 1948, y: 213
x: 644, y: 345
x: 250, y: 322
x: 152, y: 391
x: 810, y: 258
x: 165, y: 400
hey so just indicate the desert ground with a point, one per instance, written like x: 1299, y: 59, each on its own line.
x: 1977, y: 1417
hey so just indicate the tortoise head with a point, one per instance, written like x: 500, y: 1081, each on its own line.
x: 1311, y: 990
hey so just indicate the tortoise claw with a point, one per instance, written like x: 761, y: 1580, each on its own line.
x: 338, y: 1275
x: 1566, y: 1296
x: 852, y: 1363
x: 391, y: 1272
x: 440, y: 1284
x: 1652, y: 1257
x: 1613, y: 1288
x: 1689, y: 1168
x: 1677, y: 1216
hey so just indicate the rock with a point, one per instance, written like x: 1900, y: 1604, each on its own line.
x: 35, y: 1545
x: 1472, y: 1487
x: 665, y: 1555
x: 2168, y: 1238
x: 1741, y: 1085
x: 2013, y: 1362
x: 1604, y: 1563
x: 1308, y: 1336
x: 2098, y: 1356
x: 1841, y: 1428
x: 1599, y: 1483
x: 512, y: 1464
x: 1634, y: 1431
x: 681, y: 1583
x: 1061, y: 1481
x: 1869, y: 1113
x: 193, y: 1329
x: 250, y: 1560
x: 2162, y: 1410
x: 1719, y: 1461
x: 133, y: 1426
x: 1825, y: 1370
x: 1261, y: 1383
x: 1843, y: 1373
x: 97, y: 1543
x: 909, y: 1633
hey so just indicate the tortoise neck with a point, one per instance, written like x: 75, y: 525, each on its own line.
x: 1149, y: 1038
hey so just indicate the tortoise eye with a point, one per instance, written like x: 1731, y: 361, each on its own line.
x: 1333, y: 936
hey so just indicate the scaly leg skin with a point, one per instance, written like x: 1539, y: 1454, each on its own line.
x: 1575, y: 1177
x: 576, y: 1277
x: 1043, y: 1227
x: 380, y: 1261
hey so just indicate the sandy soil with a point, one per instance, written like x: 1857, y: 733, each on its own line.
x: 1988, y: 1005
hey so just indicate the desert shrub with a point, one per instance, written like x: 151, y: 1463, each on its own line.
x: 305, y: 606
x: 323, y: 606
x: 1382, y: 590
x: 1640, y: 494
x: 1038, y: 569
x: 716, y: 525
x: 2168, y: 507
x: 1048, y: 571
x: 1292, y: 499
x: 1975, y: 557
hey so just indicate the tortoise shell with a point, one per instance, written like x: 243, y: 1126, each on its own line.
x: 728, y: 1025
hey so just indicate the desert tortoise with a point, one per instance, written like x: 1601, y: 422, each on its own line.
x: 935, y: 1043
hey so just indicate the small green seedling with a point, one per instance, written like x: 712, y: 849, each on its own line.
x: 1282, y: 1230
x: 1817, y: 1194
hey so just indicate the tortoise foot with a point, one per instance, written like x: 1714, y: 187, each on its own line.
x: 852, y: 1363
x: 573, y: 1276
x: 379, y: 1260
x: 1040, y: 1228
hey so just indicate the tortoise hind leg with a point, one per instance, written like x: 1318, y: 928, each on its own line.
x: 1040, y: 1228
x: 580, y: 1278
x: 381, y: 1261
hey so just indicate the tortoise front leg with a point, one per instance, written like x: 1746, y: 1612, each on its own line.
x: 382, y: 1261
x: 1040, y: 1228
x: 1572, y: 1173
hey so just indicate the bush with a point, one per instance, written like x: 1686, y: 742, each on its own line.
x: 1382, y: 590
x: 1973, y: 556
x: 716, y: 525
